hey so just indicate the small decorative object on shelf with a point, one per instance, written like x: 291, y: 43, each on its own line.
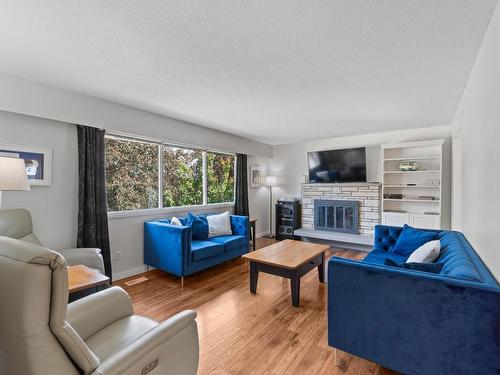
x: 393, y: 196
x: 432, y: 183
x: 410, y: 166
x: 428, y: 198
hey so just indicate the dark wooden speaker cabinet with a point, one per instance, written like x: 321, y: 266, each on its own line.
x: 288, y: 218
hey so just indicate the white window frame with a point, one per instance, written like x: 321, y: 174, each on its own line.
x: 160, y: 210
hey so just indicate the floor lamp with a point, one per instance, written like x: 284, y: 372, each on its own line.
x: 13, y: 175
x: 270, y: 181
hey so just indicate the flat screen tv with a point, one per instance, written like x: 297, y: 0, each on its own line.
x: 347, y: 165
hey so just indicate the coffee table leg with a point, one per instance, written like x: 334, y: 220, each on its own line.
x: 254, y: 277
x: 295, y: 286
x: 321, y: 269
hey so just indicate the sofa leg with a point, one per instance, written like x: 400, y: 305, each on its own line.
x: 182, y: 282
x: 337, y: 363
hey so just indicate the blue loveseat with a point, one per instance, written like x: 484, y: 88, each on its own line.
x: 417, y: 322
x: 171, y: 248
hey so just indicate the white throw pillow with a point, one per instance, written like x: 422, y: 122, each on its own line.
x: 175, y: 221
x: 427, y: 253
x: 219, y: 225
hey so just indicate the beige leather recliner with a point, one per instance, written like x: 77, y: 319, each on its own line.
x: 16, y: 223
x: 40, y: 334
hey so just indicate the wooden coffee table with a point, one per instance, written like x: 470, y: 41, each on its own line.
x: 290, y: 259
x: 81, y: 277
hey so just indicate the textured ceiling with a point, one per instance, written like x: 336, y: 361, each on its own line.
x: 273, y: 71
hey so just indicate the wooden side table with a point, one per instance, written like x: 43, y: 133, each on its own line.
x: 252, y: 231
x: 81, y: 277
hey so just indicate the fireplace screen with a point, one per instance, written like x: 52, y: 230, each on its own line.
x: 336, y: 215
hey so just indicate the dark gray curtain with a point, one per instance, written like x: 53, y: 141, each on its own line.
x: 241, y: 196
x: 92, y: 210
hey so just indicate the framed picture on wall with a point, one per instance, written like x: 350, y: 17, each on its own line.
x: 38, y: 161
x: 255, y: 176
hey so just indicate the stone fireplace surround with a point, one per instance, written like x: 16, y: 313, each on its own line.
x: 367, y: 194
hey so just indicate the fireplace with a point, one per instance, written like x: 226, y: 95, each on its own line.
x: 336, y: 215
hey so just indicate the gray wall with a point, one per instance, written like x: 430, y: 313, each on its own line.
x: 290, y: 161
x: 54, y: 208
x: 42, y: 101
x: 477, y: 152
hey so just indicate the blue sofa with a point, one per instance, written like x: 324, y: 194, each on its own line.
x: 171, y: 248
x: 417, y: 322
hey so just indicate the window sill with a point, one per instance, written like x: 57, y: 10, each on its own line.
x: 168, y: 210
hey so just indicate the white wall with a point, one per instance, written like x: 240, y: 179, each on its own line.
x: 26, y: 118
x: 54, y: 208
x: 290, y: 161
x: 258, y: 198
x: 477, y: 124
x: 30, y: 98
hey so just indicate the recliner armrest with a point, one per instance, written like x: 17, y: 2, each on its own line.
x: 90, y: 257
x: 170, y: 348
x: 90, y: 314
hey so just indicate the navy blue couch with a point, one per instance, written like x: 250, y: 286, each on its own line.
x: 171, y: 248
x: 417, y: 322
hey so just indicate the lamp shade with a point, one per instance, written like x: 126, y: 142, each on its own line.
x: 270, y: 181
x: 13, y: 174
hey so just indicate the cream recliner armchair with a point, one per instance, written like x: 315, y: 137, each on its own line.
x: 16, y: 223
x: 40, y: 334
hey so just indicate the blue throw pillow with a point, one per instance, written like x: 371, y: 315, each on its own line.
x: 199, y: 227
x: 411, y: 239
x: 425, y: 267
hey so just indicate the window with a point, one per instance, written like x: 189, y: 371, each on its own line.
x: 182, y: 177
x: 220, y: 177
x: 137, y: 171
x: 131, y: 174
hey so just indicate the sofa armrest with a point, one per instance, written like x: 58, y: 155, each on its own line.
x: 90, y: 314
x: 90, y: 257
x: 240, y: 225
x: 170, y: 348
x: 167, y: 246
x: 411, y: 321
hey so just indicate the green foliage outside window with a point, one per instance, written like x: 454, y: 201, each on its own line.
x: 132, y: 180
x: 131, y: 175
x: 220, y: 178
x: 182, y: 177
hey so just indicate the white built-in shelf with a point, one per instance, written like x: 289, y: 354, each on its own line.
x: 415, y: 158
x: 412, y: 186
x: 413, y: 200
x: 412, y: 213
x: 412, y: 172
x: 429, y: 156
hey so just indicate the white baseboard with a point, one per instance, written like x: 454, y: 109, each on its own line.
x: 128, y: 273
x: 263, y: 234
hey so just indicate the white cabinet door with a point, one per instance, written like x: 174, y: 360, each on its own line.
x: 395, y: 219
x: 425, y: 221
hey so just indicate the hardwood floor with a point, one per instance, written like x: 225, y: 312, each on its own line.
x: 241, y: 333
